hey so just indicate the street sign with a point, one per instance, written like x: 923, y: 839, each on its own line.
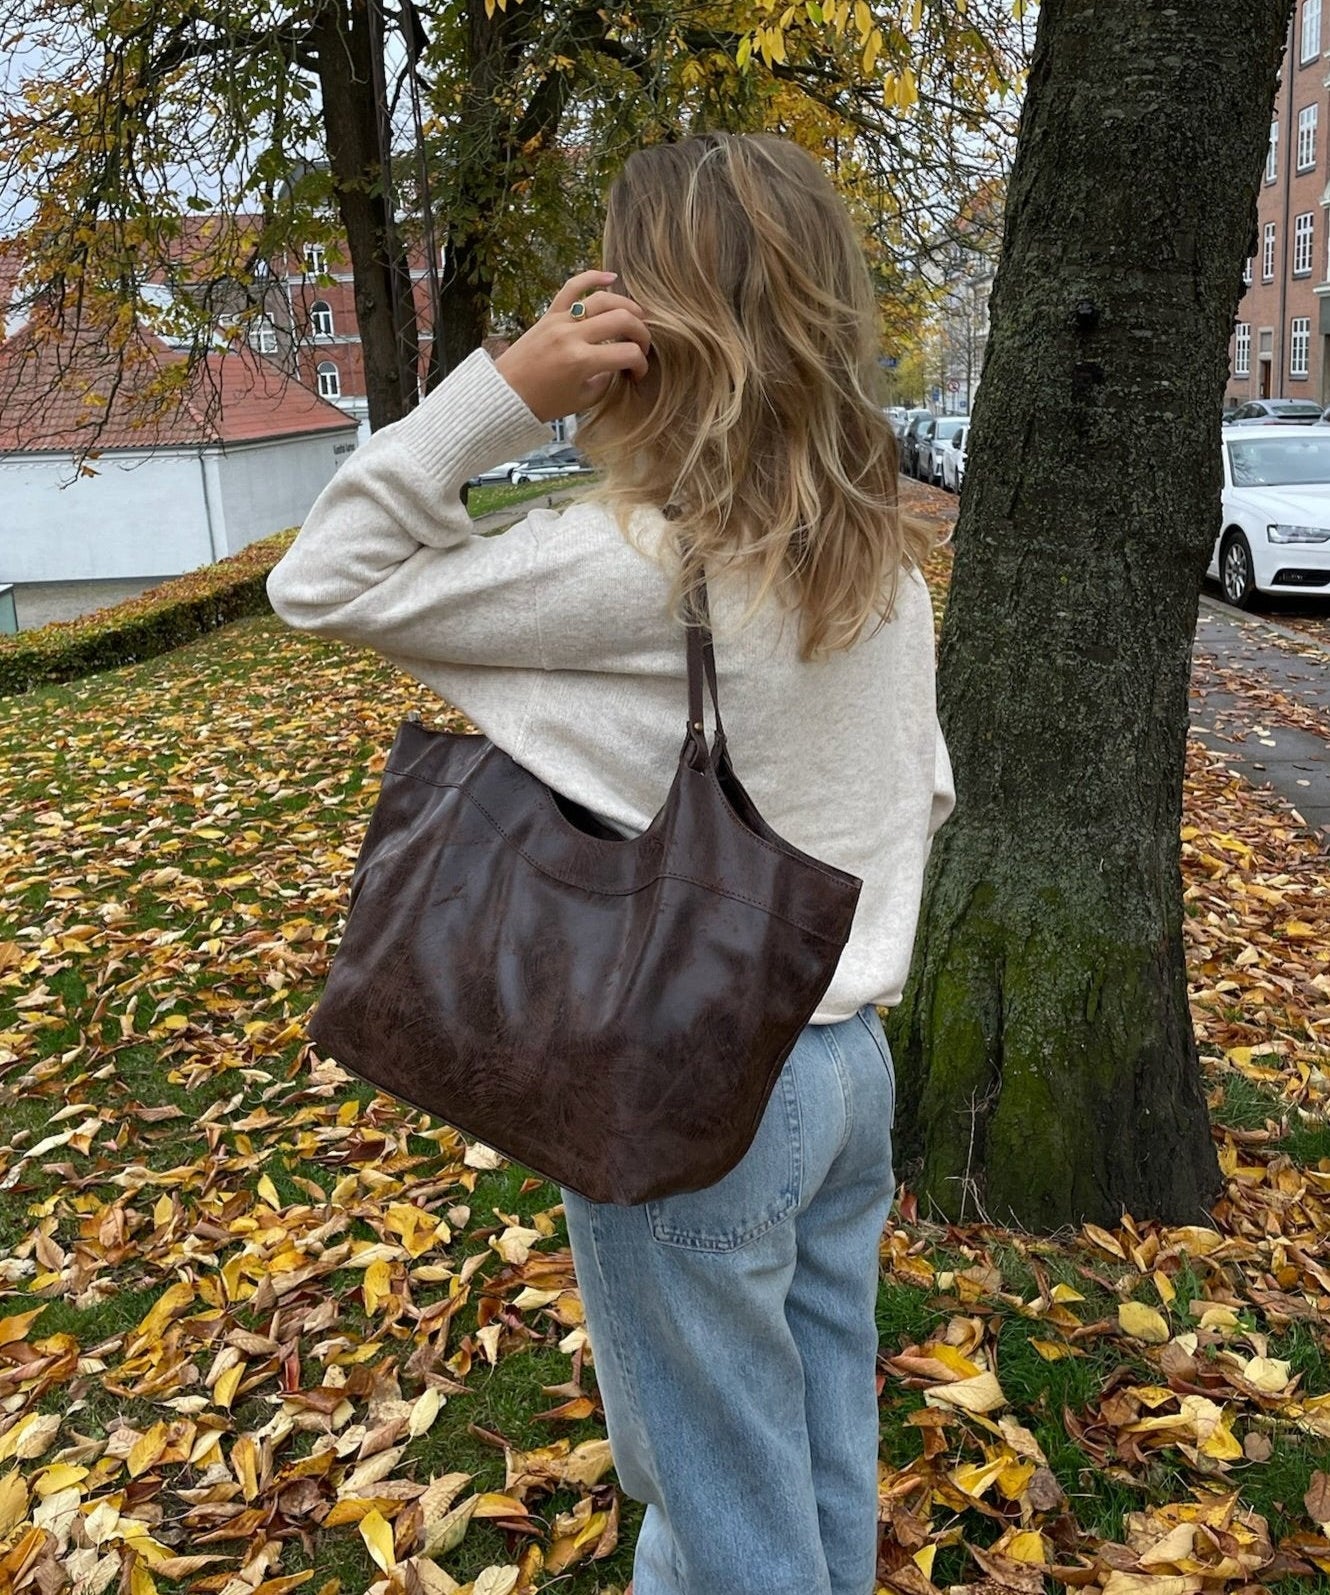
x: 890, y: 362
x: 953, y: 386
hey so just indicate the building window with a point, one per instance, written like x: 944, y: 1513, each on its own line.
x: 1302, y: 244
x: 320, y: 319
x: 263, y: 336
x: 330, y: 384
x: 1272, y: 154
x: 1307, y: 138
x: 1268, y: 254
x: 316, y: 261
x: 1311, y: 30
x: 261, y: 270
x: 1242, y: 349
x: 1248, y: 270
x: 1300, y: 346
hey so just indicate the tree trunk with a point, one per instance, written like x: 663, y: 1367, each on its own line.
x: 1048, y: 1069
x: 345, y: 44
x: 501, y: 139
x: 464, y: 307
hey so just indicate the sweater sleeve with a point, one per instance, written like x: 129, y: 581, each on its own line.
x: 944, y: 786
x: 388, y: 557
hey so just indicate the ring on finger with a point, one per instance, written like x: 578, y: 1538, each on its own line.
x: 578, y: 309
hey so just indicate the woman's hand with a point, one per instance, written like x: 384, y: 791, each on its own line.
x: 565, y: 362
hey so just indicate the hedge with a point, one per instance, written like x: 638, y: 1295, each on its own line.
x: 178, y: 611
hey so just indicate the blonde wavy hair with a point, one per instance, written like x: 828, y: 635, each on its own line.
x: 759, y: 429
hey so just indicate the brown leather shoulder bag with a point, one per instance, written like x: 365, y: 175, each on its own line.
x: 613, y: 1013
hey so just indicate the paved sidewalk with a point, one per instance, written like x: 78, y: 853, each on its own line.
x: 1250, y: 679
x: 39, y: 603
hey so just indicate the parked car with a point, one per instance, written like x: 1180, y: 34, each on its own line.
x: 559, y: 459
x: 1275, y: 412
x: 910, y: 438
x: 912, y: 420
x: 953, y: 461
x: 1275, y: 535
x: 934, y: 443
x: 496, y: 473
x: 897, y: 415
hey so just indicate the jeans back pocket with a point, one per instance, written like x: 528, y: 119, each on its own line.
x: 762, y: 1189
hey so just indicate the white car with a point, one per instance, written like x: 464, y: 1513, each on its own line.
x: 1275, y: 536
x: 953, y: 461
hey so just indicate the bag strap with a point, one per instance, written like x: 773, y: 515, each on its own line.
x: 701, y: 664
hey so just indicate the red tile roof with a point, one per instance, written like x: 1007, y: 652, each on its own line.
x: 55, y: 398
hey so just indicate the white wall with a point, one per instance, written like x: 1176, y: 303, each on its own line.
x: 155, y: 514
x: 265, y: 487
x: 141, y: 515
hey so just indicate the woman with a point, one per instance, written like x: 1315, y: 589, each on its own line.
x: 727, y: 394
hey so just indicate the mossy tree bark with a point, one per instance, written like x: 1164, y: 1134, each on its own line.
x: 1048, y: 1069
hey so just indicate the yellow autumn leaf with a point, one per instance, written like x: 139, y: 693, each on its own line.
x: 496, y: 1581
x: 141, y: 1580
x: 145, y: 1450
x: 1014, y: 1477
x: 1051, y: 1350
x: 13, y: 1500
x: 1119, y: 1583
x: 424, y: 1410
x: 1142, y: 1322
x: 981, y: 1394
x: 59, y: 1476
x: 1104, y: 1240
x: 378, y: 1537
x: 494, y: 1504
x: 377, y: 1286
x: 223, y: 1392
x: 976, y: 1477
x: 173, y: 1300
x: 515, y: 1244
x: 17, y: 1326
x: 245, y: 1466
x: 1221, y: 1443
x: 446, y: 1532
x: 950, y: 1358
x: 1270, y: 1374
x: 1027, y: 1546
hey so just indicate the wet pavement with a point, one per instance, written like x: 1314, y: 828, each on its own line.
x: 1261, y: 697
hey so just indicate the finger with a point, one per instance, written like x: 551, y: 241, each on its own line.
x: 597, y: 304
x: 606, y: 358
x: 584, y: 282
x: 614, y: 324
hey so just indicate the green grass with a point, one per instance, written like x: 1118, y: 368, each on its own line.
x: 1247, y: 1105
x: 504, y: 495
x: 269, y: 741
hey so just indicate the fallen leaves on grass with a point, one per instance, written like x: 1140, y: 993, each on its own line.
x: 245, y: 1298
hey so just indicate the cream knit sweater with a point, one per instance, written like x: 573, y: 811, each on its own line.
x: 556, y: 640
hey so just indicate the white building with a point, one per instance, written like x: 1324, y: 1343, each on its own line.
x: 243, y: 453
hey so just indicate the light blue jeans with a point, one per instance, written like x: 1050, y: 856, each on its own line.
x: 735, y: 1344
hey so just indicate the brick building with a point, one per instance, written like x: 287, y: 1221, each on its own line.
x: 1281, y: 337
x: 309, y: 323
